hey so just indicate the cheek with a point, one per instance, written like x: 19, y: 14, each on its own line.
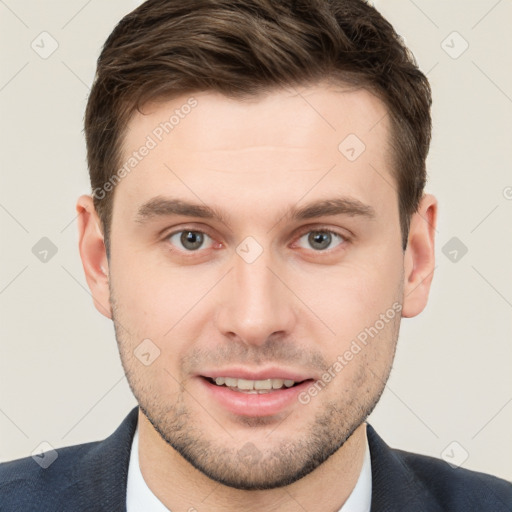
x: 153, y: 332
x: 142, y: 286
x: 161, y: 303
x: 362, y: 358
x: 351, y: 297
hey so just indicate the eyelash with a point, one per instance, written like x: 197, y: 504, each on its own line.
x: 344, y: 238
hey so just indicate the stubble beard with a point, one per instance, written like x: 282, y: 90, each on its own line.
x: 247, y: 466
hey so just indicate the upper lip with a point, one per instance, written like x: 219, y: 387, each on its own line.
x: 268, y: 373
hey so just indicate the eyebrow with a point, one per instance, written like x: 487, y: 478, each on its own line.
x: 160, y: 206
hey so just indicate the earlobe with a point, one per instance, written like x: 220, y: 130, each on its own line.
x: 93, y: 254
x: 419, y: 258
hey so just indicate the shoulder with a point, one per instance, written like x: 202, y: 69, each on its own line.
x: 458, y: 488
x: 422, y: 479
x: 43, y: 478
x: 83, y: 477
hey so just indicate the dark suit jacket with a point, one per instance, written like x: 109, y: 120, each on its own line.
x: 92, y: 477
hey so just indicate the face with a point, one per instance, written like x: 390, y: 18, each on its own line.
x: 257, y: 244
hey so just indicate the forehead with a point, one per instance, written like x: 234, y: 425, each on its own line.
x: 271, y: 149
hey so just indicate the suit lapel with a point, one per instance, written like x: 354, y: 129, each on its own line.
x: 395, y: 487
x: 100, y: 478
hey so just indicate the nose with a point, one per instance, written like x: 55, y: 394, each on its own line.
x: 255, y: 303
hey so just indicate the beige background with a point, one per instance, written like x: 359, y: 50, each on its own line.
x: 61, y: 379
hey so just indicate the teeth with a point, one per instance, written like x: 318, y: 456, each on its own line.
x: 245, y: 384
x: 250, y: 385
x: 263, y: 384
x: 277, y: 383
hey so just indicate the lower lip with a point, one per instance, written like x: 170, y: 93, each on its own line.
x: 254, y: 404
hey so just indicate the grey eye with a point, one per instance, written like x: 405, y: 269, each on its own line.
x: 189, y: 240
x: 321, y: 239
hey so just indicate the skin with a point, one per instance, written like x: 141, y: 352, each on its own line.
x: 297, y: 306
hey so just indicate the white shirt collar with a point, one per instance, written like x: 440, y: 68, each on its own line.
x: 140, y: 498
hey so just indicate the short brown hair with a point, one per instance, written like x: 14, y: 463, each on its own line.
x: 243, y: 48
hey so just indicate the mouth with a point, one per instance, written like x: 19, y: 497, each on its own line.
x: 250, y: 386
x: 253, y: 394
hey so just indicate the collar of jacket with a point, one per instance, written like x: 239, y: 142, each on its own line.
x: 99, y: 479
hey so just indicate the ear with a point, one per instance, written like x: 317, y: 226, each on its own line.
x: 419, y: 258
x: 93, y: 254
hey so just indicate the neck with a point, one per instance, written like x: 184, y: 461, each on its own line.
x: 179, y: 486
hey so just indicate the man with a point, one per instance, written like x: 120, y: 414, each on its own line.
x: 257, y: 228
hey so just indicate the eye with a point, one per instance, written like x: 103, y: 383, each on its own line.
x: 321, y: 239
x: 190, y: 240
